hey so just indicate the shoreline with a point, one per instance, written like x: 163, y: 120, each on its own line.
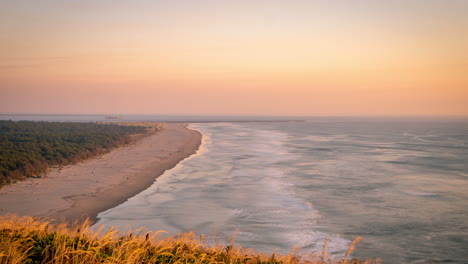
x: 85, y: 189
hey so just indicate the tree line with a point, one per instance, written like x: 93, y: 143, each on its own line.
x: 28, y: 148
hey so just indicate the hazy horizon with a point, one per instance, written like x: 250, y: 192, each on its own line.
x: 243, y: 58
x: 128, y: 117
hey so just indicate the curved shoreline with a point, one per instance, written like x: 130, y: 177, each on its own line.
x: 93, y: 186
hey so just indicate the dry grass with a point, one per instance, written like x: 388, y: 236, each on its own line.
x: 28, y: 240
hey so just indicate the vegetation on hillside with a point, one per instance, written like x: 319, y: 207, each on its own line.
x: 27, y: 240
x: 29, y: 148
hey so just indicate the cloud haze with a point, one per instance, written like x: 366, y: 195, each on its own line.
x: 234, y: 57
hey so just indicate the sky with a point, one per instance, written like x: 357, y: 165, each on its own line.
x: 217, y: 57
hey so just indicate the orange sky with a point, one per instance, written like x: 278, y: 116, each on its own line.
x: 234, y: 57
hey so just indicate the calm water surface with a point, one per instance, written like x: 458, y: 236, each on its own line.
x: 402, y: 186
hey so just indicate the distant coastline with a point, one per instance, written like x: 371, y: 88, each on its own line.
x: 145, y: 118
x: 123, y: 118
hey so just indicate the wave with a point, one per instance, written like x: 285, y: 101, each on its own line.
x: 236, y: 183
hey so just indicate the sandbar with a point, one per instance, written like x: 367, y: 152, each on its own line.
x: 85, y: 189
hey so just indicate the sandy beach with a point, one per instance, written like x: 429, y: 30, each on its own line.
x: 92, y: 186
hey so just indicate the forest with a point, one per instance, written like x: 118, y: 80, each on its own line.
x: 29, y: 149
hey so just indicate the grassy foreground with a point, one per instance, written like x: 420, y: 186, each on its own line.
x: 28, y: 240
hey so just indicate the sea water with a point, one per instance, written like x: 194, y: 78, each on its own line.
x: 401, y: 185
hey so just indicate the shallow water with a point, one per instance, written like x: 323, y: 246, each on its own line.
x: 403, y: 186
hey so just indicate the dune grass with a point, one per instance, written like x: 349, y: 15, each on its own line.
x: 28, y: 240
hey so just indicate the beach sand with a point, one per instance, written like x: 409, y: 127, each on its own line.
x: 92, y: 186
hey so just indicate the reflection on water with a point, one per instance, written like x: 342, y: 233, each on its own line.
x: 400, y: 185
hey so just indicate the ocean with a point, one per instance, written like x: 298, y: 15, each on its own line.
x: 400, y: 183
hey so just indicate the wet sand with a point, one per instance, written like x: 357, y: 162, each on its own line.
x: 92, y: 186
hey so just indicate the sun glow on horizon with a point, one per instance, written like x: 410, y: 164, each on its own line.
x: 250, y: 57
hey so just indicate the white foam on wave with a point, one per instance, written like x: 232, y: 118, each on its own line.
x: 205, y: 140
x: 292, y: 219
x: 234, y: 183
x: 160, y: 184
x: 325, y: 138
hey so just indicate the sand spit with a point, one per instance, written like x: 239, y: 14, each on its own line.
x: 90, y: 187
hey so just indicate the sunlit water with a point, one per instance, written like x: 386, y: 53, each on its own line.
x: 402, y: 186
